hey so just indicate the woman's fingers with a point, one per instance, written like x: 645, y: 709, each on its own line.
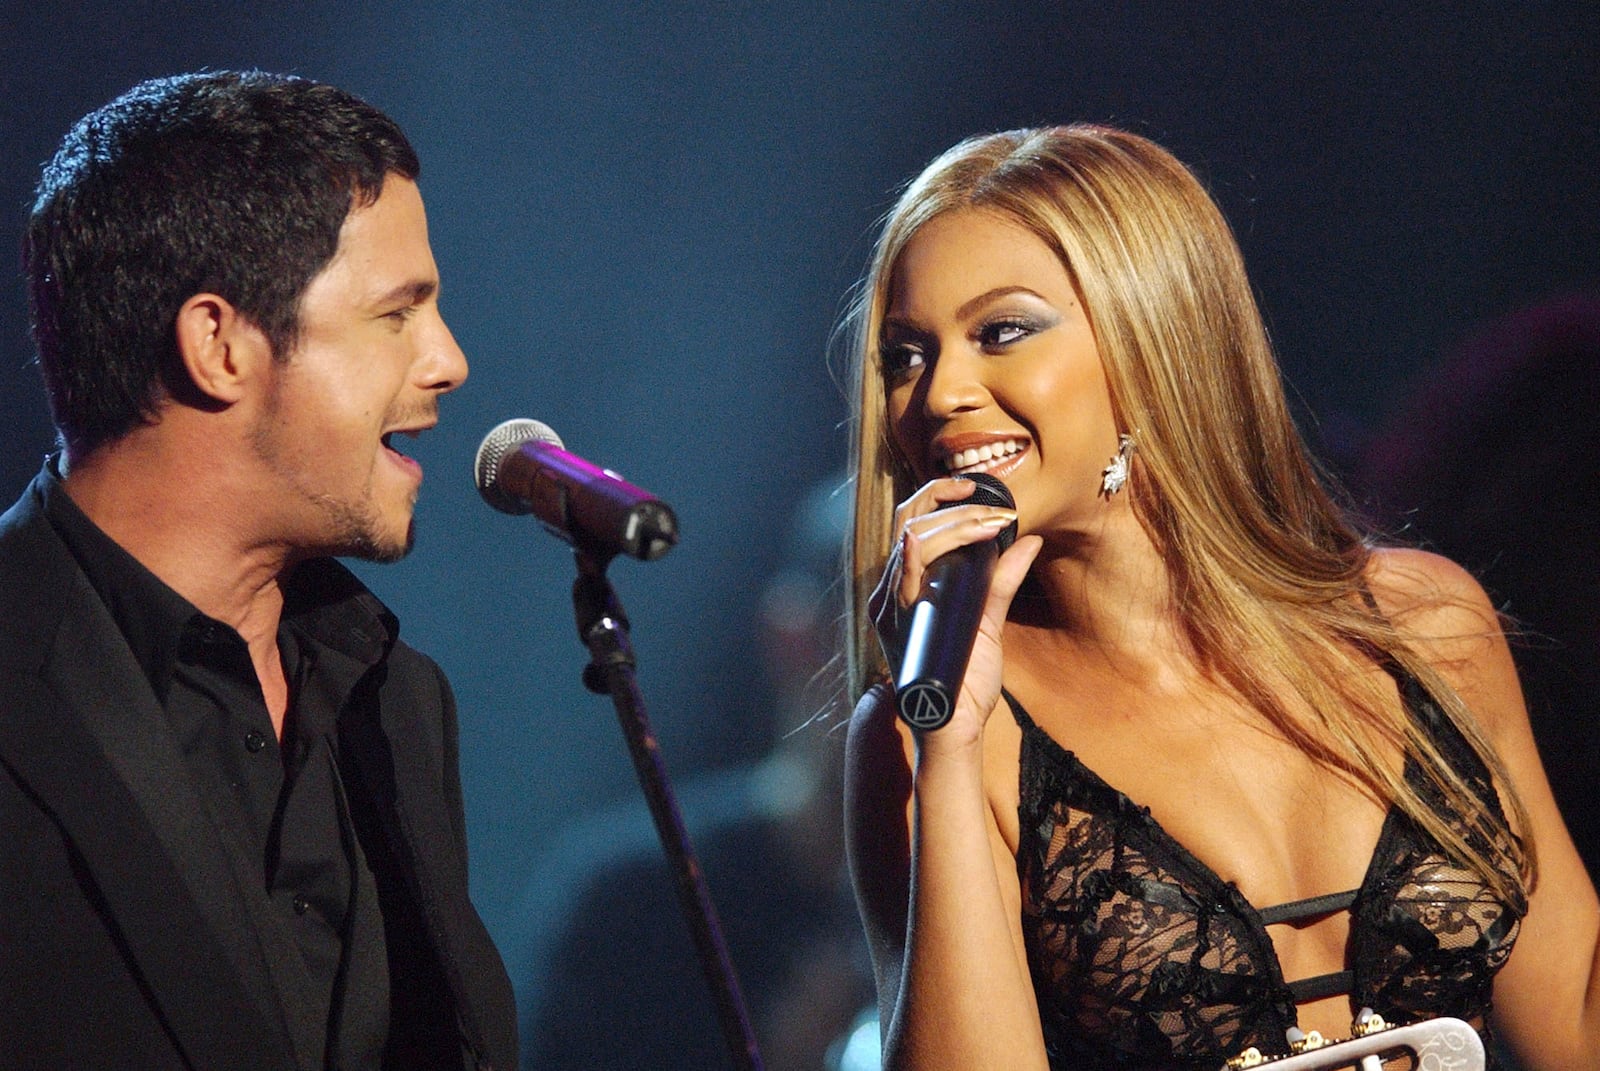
x: 930, y: 496
x: 928, y: 524
x: 926, y: 499
x: 936, y: 534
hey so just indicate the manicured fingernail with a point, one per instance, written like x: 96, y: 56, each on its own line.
x: 998, y: 521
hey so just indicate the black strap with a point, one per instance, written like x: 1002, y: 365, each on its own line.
x: 1322, y: 985
x: 1295, y: 910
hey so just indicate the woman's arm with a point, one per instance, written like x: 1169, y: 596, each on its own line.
x: 938, y: 895
x: 1547, y: 997
x: 935, y: 882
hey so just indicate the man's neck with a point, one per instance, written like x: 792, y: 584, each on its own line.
x: 187, y: 528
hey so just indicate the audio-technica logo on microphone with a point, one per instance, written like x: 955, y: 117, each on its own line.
x: 923, y: 705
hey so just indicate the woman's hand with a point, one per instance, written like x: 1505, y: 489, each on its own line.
x: 928, y: 525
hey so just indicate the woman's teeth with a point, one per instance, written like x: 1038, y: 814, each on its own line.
x: 977, y: 458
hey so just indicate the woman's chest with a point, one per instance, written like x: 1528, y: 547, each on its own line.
x: 1244, y: 799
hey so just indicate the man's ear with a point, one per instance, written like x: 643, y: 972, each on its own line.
x: 221, y: 349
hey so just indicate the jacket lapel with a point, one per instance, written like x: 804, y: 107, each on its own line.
x: 87, y: 736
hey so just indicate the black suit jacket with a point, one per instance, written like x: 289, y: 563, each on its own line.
x: 126, y: 937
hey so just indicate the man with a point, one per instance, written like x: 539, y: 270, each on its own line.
x: 231, y: 829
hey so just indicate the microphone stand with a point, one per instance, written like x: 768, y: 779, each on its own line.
x: 603, y: 627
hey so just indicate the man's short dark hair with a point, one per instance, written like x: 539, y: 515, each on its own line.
x: 227, y: 182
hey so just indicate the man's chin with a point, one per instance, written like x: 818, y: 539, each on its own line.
x: 383, y: 549
x: 390, y: 552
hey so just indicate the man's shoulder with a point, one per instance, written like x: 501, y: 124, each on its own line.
x: 24, y: 524
x: 35, y: 567
x: 414, y: 692
x: 413, y: 664
x: 18, y: 519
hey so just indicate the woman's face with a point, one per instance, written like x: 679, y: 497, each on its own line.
x: 990, y: 365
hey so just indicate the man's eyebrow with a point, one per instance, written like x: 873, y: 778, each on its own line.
x: 408, y: 293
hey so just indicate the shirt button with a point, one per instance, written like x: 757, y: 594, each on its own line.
x: 254, y: 741
x: 301, y: 905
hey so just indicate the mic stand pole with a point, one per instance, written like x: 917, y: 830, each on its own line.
x: 603, y: 627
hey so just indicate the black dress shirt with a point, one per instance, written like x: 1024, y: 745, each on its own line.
x: 280, y: 805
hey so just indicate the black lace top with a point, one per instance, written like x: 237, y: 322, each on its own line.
x: 1142, y: 957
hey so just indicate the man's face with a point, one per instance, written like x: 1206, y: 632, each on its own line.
x: 373, y: 356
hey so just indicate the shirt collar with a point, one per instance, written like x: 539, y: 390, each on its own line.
x: 323, y: 600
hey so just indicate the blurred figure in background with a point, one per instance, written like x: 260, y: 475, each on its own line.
x: 611, y: 977
x: 1492, y: 460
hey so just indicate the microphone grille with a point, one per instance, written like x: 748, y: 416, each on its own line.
x: 504, y: 439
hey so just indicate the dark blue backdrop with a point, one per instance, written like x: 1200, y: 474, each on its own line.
x: 646, y: 216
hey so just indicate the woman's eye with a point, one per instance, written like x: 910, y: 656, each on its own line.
x: 1004, y: 332
x: 899, y: 358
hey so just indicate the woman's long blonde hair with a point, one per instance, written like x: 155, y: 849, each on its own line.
x: 1267, y: 571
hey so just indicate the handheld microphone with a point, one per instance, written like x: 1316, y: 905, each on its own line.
x: 945, y: 617
x: 522, y: 468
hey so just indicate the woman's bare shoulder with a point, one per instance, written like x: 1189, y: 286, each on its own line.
x: 1429, y: 595
x: 1444, y: 614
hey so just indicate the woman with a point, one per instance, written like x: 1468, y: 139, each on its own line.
x: 1238, y: 772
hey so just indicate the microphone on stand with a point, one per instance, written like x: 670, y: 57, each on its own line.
x: 945, y: 617
x: 521, y: 468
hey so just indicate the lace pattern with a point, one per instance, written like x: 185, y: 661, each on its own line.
x: 1143, y: 958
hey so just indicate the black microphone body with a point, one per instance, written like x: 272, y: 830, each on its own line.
x: 946, y: 615
x: 522, y: 468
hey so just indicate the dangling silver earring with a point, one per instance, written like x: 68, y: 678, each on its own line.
x: 1116, y: 473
